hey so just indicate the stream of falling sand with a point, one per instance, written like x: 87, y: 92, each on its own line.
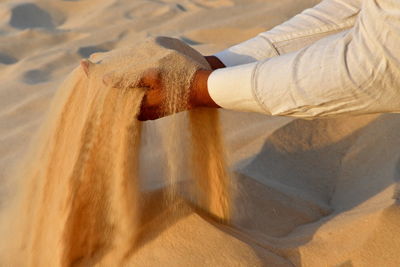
x: 80, y: 193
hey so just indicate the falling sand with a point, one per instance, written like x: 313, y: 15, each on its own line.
x: 81, y: 199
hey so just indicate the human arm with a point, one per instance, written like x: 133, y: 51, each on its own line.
x: 152, y: 104
x: 352, y: 72
x: 326, y: 18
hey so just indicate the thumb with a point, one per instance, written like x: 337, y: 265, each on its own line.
x: 87, y: 65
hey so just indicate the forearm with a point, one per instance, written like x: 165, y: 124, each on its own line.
x: 353, y: 72
x: 326, y: 18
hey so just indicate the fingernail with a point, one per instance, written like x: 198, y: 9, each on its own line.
x: 86, y: 66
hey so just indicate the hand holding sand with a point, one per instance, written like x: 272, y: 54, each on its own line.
x: 155, y: 98
x: 82, y: 193
x: 154, y: 101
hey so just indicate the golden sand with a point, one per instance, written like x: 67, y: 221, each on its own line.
x: 81, y: 198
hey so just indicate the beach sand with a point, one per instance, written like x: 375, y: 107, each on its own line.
x: 309, y: 193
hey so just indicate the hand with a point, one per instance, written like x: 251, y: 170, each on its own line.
x: 151, y: 108
x: 152, y: 105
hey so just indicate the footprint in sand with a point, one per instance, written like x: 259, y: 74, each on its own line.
x: 7, y: 59
x: 29, y: 15
x: 36, y: 76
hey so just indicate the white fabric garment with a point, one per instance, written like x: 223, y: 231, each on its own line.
x: 339, y: 57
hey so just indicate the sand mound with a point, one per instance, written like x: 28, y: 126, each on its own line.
x: 319, y: 193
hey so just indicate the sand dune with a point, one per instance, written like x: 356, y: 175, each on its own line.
x: 310, y: 193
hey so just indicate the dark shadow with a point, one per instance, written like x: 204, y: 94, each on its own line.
x: 189, y: 41
x: 7, y: 59
x: 180, y: 7
x: 36, y: 76
x: 397, y: 179
x: 86, y: 51
x: 27, y: 16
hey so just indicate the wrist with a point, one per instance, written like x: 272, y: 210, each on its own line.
x: 199, y: 96
x: 214, y: 62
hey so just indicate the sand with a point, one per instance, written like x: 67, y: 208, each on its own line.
x: 80, y: 191
x: 311, y: 193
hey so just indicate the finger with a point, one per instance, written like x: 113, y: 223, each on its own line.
x: 151, y: 78
x: 86, y: 66
x: 153, y: 98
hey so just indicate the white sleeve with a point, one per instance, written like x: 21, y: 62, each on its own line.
x: 328, y: 17
x: 353, y: 72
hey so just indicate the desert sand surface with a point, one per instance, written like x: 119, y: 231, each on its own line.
x: 309, y: 193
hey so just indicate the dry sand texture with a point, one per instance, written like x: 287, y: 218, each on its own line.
x: 312, y: 193
x: 80, y: 191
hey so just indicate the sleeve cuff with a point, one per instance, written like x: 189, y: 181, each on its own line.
x: 231, y: 88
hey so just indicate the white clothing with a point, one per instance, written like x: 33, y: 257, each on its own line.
x: 337, y: 57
